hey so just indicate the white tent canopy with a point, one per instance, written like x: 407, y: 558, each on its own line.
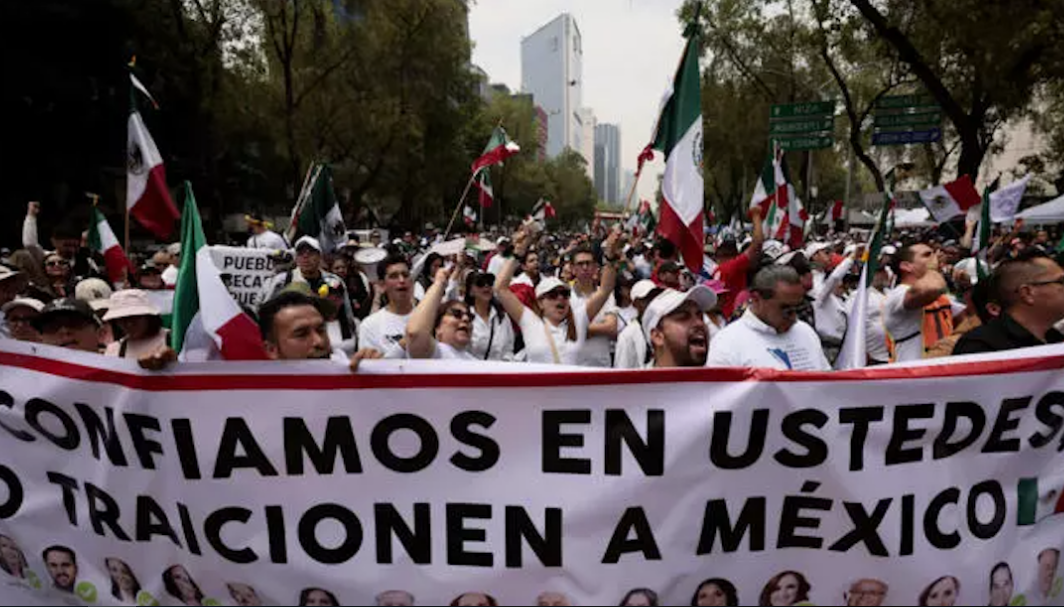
x: 1050, y: 212
x: 912, y: 218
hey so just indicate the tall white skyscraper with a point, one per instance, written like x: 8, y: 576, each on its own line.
x: 608, y: 162
x: 552, y: 71
x: 587, y: 139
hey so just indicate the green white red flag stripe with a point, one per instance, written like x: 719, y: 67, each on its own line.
x: 207, y: 322
x: 102, y: 240
x: 499, y: 148
x: 679, y: 137
x: 147, y: 197
x: 950, y: 200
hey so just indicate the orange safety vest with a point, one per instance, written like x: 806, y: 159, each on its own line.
x: 938, y: 323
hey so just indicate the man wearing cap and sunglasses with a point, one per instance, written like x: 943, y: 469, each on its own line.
x: 769, y: 334
x: 674, y: 327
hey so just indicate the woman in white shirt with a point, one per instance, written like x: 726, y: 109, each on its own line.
x: 440, y: 330
x: 493, y: 333
x: 553, y: 330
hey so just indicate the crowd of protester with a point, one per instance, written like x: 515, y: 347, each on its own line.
x: 601, y: 298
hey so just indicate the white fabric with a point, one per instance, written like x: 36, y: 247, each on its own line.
x: 631, y: 347
x: 537, y: 348
x: 828, y: 308
x: 502, y: 344
x: 496, y: 264
x: 749, y: 342
x: 1050, y: 212
x: 682, y: 185
x: 267, y: 240
x: 875, y: 332
x: 596, y: 350
x: 445, y: 352
x: 902, y: 323
x: 140, y: 143
x: 1005, y: 202
x: 169, y: 275
x: 382, y: 331
x: 627, y: 314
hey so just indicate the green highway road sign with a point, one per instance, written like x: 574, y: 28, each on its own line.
x: 907, y: 137
x: 804, y: 142
x: 914, y: 120
x: 815, y: 125
x: 801, y: 110
x: 905, y: 101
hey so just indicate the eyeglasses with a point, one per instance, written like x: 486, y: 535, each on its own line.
x: 460, y: 314
x: 56, y: 263
x: 1056, y: 281
x: 485, y: 280
x: 557, y: 294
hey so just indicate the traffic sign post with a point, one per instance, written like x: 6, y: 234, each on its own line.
x: 802, y: 126
x: 804, y: 142
x: 906, y: 119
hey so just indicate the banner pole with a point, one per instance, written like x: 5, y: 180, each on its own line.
x: 454, y: 215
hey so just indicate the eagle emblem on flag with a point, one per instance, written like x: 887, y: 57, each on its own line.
x: 135, y: 161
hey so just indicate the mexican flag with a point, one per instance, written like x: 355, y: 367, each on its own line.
x: 854, y: 351
x: 320, y: 217
x: 770, y: 194
x: 543, y: 210
x: 679, y: 137
x: 207, y: 323
x: 1038, y: 498
x: 947, y: 201
x: 147, y: 198
x: 834, y: 214
x: 102, y: 240
x: 793, y: 232
x: 483, y: 182
x: 1005, y: 202
x: 469, y: 215
x: 499, y: 148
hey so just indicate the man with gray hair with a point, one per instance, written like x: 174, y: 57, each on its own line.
x: 770, y: 334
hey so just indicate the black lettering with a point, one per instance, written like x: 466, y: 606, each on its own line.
x: 69, y: 439
x: 649, y: 454
x: 755, y: 444
x: 236, y: 434
x: 6, y: 400
x: 417, y: 542
x: 633, y: 519
x: 861, y: 418
x: 865, y: 528
x: 308, y: 538
x: 902, y: 433
x: 1053, y: 422
x: 428, y: 448
x: 791, y: 519
x: 554, y: 440
x: 1005, y: 422
x: 489, y: 449
x: 716, y: 520
x: 276, y: 529
x: 143, y: 445
x: 458, y: 534
x: 186, y: 527
x: 103, y: 510
x: 934, y: 534
x: 942, y: 447
x: 989, y: 529
x: 547, y: 547
x: 15, y: 493
x: 152, y: 520
x: 186, y: 448
x: 339, y: 440
x: 212, y: 529
x: 96, y: 431
x: 69, y: 487
x: 908, y: 516
x: 816, y: 450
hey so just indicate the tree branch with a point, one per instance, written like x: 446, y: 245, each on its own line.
x: 733, y: 55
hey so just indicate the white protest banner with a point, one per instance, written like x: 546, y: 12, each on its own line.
x: 244, y: 271
x: 278, y: 483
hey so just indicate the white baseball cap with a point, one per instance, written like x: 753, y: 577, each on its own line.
x: 815, y: 247
x: 22, y: 302
x: 310, y: 242
x: 773, y: 248
x: 6, y: 272
x: 549, y: 284
x: 670, y: 299
x: 94, y: 291
x: 642, y: 288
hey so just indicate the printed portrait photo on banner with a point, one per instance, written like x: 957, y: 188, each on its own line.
x: 640, y: 597
x: 395, y: 598
x: 317, y: 597
x: 124, y: 584
x: 474, y: 599
x: 866, y: 592
x: 942, y: 592
x: 715, y: 592
x: 243, y: 595
x: 549, y: 598
x: 1001, y: 585
x: 1049, y: 584
x: 12, y: 560
x: 62, y: 566
x: 785, y: 588
x: 180, y: 585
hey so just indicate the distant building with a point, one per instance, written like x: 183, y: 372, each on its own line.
x: 608, y: 162
x: 501, y: 88
x: 480, y: 85
x: 626, y: 185
x: 552, y: 70
x: 587, y: 139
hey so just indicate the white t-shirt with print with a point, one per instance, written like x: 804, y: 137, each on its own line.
x: 749, y: 342
x: 382, y: 331
x: 631, y: 347
x: 537, y: 345
x: 902, y: 324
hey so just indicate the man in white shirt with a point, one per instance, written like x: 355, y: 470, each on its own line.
x: 595, y: 352
x: 769, y: 334
x: 829, y: 309
x: 529, y: 270
x: 503, y: 253
x: 384, y: 329
x: 293, y: 328
x: 919, y: 284
x: 631, y: 342
x: 673, y: 325
x: 875, y: 330
x: 262, y: 237
x: 819, y: 256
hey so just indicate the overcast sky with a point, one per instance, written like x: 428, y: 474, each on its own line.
x: 631, y: 48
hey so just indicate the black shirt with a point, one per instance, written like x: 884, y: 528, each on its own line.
x: 1002, y: 333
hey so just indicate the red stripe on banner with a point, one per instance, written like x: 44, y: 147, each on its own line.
x: 163, y: 382
x: 687, y: 238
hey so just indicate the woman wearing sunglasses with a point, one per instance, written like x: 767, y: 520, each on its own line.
x: 493, y: 335
x: 58, y: 271
x: 554, y: 330
x: 440, y: 330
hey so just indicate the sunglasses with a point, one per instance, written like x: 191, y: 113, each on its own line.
x: 56, y: 263
x: 1056, y: 281
x: 460, y: 314
x: 484, y: 280
x: 556, y: 294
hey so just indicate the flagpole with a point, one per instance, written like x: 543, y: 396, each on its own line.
x: 454, y: 215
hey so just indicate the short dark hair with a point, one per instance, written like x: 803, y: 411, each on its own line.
x: 665, y: 247
x: 584, y: 249
x: 1011, y: 274
x: 171, y: 585
x: 389, y: 261
x: 58, y: 548
x: 731, y: 594
x: 286, y: 299
x: 906, y: 254
x: 304, y: 595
